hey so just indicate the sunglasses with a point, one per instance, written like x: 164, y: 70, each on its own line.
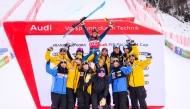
x: 79, y: 49
x: 63, y: 61
x: 78, y: 58
x: 85, y: 63
x: 115, y: 60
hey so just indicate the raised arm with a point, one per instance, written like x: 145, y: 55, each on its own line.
x: 104, y: 33
x: 147, y: 61
x: 126, y: 70
x: 86, y: 32
x: 52, y: 72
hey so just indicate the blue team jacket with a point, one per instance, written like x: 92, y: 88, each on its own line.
x: 59, y: 83
x: 120, y: 84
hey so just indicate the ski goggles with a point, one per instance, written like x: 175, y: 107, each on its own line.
x: 116, y: 46
x: 125, y: 47
x: 78, y: 57
x: 115, y: 60
x: 80, y: 49
x: 63, y: 61
x: 131, y: 55
x: 85, y: 63
x: 62, y: 50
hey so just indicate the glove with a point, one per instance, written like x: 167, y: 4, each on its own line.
x: 127, y: 63
x: 103, y: 102
x: 50, y: 49
x: 148, y: 55
x: 67, y: 45
x: 74, y: 25
x: 111, y: 22
x: 128, y: 41
x: 82, y: 19
x: 133, y: 43
x: 48, y: 62
x: 87, y: 78
x: 97, y: 53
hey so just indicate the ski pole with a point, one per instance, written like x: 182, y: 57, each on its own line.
x: 115, y: 25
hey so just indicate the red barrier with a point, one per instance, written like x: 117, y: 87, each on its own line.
x: 10, y: 11
x: 34, y: 10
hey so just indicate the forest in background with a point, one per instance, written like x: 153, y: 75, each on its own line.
x: 180, y: 9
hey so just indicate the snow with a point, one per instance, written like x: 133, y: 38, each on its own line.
x: 176, y: 68
x: 171, y: 24
x: 19, y: 96
x: 21, y: 12
x: 5, y: 6
x: 76, y: 9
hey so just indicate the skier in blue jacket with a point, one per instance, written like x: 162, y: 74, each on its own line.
x: 58, y: 89
x: 119, y: 84
x: 94, y: 41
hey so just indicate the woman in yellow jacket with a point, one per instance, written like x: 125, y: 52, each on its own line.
x: 83, y: 93
x: 137, y: 81
x: 73, y: 70
x: 62, y: 55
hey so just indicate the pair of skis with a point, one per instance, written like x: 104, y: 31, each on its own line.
x: 84, y: 18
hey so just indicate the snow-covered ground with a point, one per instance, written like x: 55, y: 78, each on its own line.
x: 76, y: 9
x: 171, y: 24
x: 177, y: 82
x: 177, y: 68
x: 5, y: 6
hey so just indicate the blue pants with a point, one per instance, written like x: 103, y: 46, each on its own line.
x: 96, y: 53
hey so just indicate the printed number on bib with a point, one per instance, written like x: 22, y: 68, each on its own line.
x: 94, y: 44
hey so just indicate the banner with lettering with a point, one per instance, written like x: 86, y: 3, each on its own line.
x: 35, y: 37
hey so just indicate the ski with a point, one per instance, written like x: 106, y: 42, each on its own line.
x: 81, y: 20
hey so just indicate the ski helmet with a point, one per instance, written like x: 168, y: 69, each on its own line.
x: 116, y: 46
x: 127, y: 47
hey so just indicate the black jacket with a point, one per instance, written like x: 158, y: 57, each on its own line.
x: 99, y: 85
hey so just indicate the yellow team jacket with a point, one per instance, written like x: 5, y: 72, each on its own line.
x: 101, y: 62
x: 72, y: 71
x: 55, y: 59
x: 136, y: 78
x: 89, y: 89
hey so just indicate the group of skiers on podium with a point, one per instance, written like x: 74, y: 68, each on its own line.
x: 74, y: 78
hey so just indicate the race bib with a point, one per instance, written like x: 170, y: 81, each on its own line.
x: 113, y: 75
x: 94, y: 44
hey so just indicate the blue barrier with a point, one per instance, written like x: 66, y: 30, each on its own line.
x: 3, y: 50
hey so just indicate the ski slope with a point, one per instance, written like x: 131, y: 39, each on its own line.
x: 177, y: 68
